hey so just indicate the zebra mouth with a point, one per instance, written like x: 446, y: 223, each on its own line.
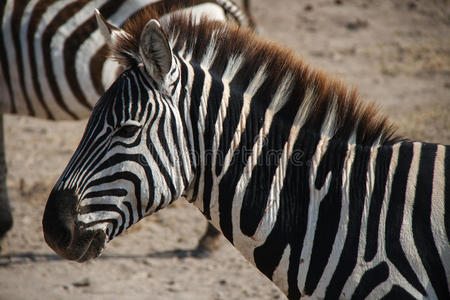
x: 94, y: 248
x: 84, y: 246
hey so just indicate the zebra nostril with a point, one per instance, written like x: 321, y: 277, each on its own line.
x: 65, y: 236
x: 58, y: 220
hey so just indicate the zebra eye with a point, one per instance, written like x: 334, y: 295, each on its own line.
x: 127, y: 131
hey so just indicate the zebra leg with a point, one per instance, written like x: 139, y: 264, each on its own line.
x: 210, y: 239
x: 6, y: 220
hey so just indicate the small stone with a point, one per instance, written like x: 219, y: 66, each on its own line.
x: 412, y: 5
x: 308, y: 7
x: 222, y: 282
x: 82, y: 283
x: 171, y: 282
x: 147, y: 262
x: 357, y: 24
x: 338, y: 2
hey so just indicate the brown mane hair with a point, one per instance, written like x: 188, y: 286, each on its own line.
x: 352, y: 116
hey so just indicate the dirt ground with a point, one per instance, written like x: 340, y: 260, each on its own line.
x: 396, y: 52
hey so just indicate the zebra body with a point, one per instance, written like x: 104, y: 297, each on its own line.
x: 309, y: 184
x: 53, y: 59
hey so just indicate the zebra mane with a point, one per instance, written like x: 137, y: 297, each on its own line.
x: 331, y: 107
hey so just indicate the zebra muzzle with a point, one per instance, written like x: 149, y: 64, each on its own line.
x: 63, y: 233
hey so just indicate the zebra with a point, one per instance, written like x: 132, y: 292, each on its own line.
x: 309, y: 183
x: 54, y: 60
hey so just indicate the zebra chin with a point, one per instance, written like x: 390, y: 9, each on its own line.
x: 64, y: 234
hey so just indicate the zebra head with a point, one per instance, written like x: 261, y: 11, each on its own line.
x: 133, y: 157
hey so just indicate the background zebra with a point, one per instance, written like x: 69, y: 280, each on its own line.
x: 307, y: 182
x: 53, y: 59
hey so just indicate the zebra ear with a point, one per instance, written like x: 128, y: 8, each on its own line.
x: 155, y: 51
x: 106, y: 29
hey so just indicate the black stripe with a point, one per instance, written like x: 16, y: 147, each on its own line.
x: 119, y: 102
x: 130, y: 213
x: 370, y: 280
x: 357, y: 193
x: 397, y: 293
x: 421, y: 222
x: 382, y: 163
x: 127, y: 101
x: 196, y: 92
x: 177, y: 141
x: 103, y: 207
x: 162, y: 124
x: 394, y: 217
x: 5, y: 63
x: 119, y: 192
x: 184, y: 117
x: 135, y: 90
x: 16, y: 18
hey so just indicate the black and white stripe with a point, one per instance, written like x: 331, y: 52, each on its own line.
x: 53, y: 58
x: 300, y: 177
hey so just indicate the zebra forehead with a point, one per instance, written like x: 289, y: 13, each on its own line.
x: 334, y: 108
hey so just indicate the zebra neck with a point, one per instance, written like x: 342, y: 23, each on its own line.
x: 278, y: 209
